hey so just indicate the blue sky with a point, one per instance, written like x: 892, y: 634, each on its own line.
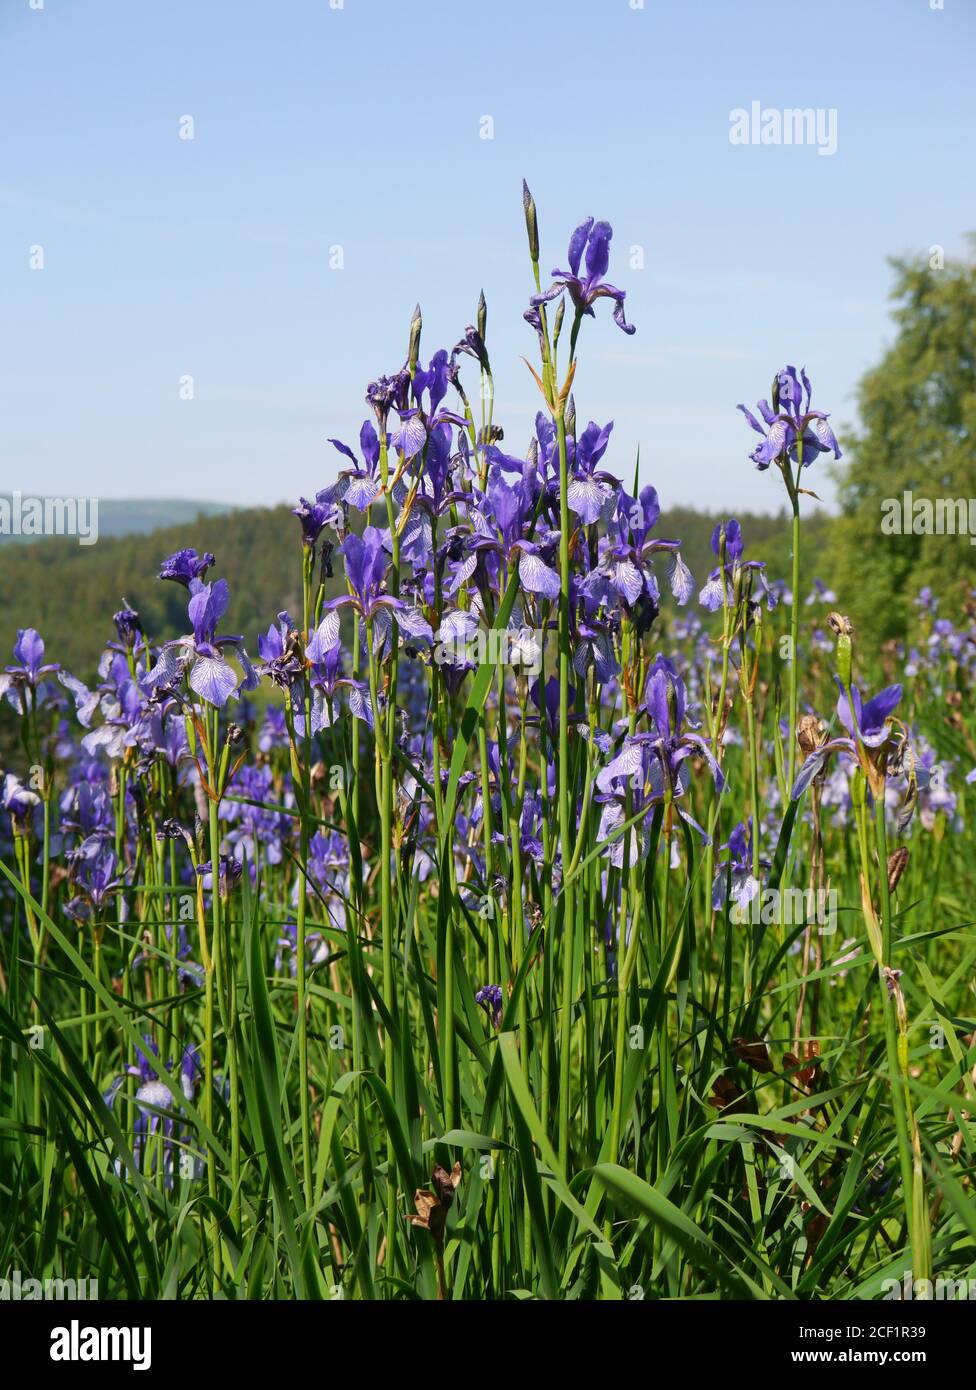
x: 360, y: 127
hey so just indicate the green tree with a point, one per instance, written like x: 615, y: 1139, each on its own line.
x: 918, y: 413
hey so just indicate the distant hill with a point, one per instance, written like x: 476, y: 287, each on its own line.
x: 131, y: 516
x: 69, y: 591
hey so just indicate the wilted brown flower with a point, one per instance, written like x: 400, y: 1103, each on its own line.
x: 804, y: 1067
x: 755, y: 1054
x: 727, y: 1095
x: 809, y: 734
x: 432, y: 1207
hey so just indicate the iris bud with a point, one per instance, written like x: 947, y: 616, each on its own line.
x: 416, y: 326
x: 531, y: 221
x: 841, y: 625
x: 571, y: 416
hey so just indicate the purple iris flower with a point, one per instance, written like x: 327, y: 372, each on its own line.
x: 473, y: 345
x: 868, y: 722
x: 591, y: 492
x: 184, y: 566
x: 711, y: 596
x: 530, y: 828
x: 86, y: 806
x: 673, y: 744
x: 166, y: 735
x: 19, y: 801
x: 356, y: 486
x: 586, y: 288
x: 328, y: 683
x: 328, y: 879
x: 512, y: 508
x: 623, y: 570
x: 254, y: 831
x: 744, y: 886
x: 29, y: 670
x: 211, y: 675
x: 152, y: 1095
x: 316, y: 949
x: 419, y: 421
x: 790, y: 422
x: 229, y: 870
x: 654, y: 763
x: 432, y: 498
x: 276, y: 648
x: 593, y: 640
x: 866, y: 725
x: 122, y: 701
x: 94, y: 874
x: 491, y: 999
x: 86, y: 701
x: 315, y: 516
x: 366, y: 562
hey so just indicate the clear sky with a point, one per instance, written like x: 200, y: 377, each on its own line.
x: 360, y: 126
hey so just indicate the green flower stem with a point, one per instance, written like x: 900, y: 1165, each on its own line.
x: 564, y: 795
x: 793, y: 489
x: 896, y: 1038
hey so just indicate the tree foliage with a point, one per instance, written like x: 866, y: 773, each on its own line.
x: 918, y: 413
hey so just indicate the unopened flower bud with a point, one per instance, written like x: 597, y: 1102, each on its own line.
x: 416, y: 326
x: 560, y: 315
x: 842, y: 626
x: 531, y: 221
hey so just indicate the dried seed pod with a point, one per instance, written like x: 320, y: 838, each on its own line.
x: 897, y: 864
